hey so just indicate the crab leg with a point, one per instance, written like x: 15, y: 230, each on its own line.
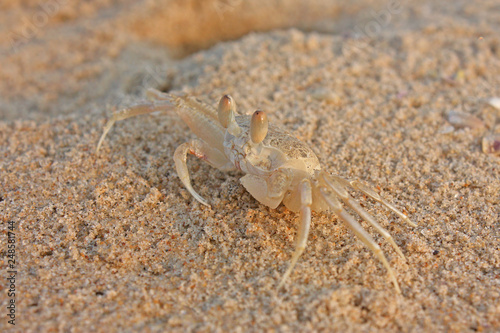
x: 131, y: 112
x: 348, y: 200
x: 358, y: 231
x: 305, y: 192
x: 356, y: 184
x: 203, y: 151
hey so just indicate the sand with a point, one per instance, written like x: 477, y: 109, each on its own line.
x: 114, y: 242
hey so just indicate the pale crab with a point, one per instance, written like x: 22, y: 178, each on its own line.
x: 278, y: 166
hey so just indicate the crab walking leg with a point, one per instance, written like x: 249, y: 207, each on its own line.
x: 305, y: 192
x: 155, y: 95
x: 348, y: 200
x: 128, y: 113
x: 203, y: 151
x: 356, y: 184
x: 359, y: 232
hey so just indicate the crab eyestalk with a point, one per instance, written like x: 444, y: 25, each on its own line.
x: 226, y: 112
x: 258, y: 127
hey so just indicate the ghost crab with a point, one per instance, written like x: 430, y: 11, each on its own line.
x: 278, y: 166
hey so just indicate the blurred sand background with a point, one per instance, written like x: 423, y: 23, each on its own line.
x: 115, y: 243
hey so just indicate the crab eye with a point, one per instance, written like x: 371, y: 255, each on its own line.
x: 258, y: 126
x: 227, y: 109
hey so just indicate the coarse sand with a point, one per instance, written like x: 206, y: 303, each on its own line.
x: 114, y: 242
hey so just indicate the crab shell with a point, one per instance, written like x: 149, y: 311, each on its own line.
x: 280, y: 154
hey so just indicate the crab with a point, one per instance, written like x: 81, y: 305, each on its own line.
x: 278, y: 167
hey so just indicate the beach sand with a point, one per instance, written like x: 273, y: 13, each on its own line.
x: 114, y: 242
